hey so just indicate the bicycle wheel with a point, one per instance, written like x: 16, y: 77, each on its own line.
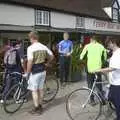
x: 13, y: 99
x: 51, y: 88
x: 78, y: 105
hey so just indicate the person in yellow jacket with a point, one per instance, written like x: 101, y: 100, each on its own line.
x: 96, y: 54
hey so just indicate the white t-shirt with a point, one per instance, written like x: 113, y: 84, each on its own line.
x: 114, y: 76
x: 38, y: 53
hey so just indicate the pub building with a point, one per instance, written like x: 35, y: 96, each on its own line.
x: 51, y: 18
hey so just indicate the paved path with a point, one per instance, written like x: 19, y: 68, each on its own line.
x: 53, y: 111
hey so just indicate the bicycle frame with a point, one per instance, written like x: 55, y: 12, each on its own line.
x: 92, y: 90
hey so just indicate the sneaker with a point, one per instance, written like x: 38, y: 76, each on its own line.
x: 1, y: 101
x: 40, y: 108
x: 36, y: 110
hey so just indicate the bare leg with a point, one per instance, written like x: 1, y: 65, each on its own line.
x: 40, y: 96
x: 35, y: 97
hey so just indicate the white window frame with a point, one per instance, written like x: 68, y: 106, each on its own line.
x: 44, y: 21
x: 80, y: 22
x: 115, y: 15
x: 115, y: 7
x: 118, y: 2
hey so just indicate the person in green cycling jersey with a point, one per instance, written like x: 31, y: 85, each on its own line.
x: 96, y: 54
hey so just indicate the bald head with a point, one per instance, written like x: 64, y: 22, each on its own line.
x: 66, y: 36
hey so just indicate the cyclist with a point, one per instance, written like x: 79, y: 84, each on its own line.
x: 36, y: 55
x: 12, y: 63
x: 114, y: 74
x: 95, y: 52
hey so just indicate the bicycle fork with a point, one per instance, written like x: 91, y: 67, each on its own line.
x: 91, y: 91
x: 17, y: 94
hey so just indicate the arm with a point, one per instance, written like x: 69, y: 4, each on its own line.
x: 71, y: 49
x: 83, y: 53
x: 19, y: 61
x: 106, y: 70
x: 30, y: 60
x: 29, y: 66
x: 50, y: 56
x: 105, y: 54
x: 60, y: 48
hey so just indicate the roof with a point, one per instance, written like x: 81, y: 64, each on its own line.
x: 90, y: 8
x: 107, y: 3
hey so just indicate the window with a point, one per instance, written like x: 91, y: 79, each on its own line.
x: 118, y: 2
x: 79, y: 22
x: 115, y: 5
x: 115, y: 11
x: 115, y: 15
x: 42, y: 17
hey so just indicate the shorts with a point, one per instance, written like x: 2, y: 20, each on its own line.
x: 36, y: 81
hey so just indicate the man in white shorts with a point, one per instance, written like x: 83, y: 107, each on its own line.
x: 37, y: 53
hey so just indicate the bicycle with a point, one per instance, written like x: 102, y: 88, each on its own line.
x: 1, y: 83
x: 78, y: 103
x: 17, y: 94
x: 13, y: 76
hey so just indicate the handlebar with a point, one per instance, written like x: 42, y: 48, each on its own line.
x: 16, y: 73
x: 102, y: 74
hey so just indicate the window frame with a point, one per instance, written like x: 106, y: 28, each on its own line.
x: 118, y: 11
x: 43, y: 21
x: 78, y: 24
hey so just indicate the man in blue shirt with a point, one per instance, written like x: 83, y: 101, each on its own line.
x: 65, y: 48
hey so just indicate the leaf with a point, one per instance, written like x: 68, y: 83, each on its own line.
x: 77, y: 65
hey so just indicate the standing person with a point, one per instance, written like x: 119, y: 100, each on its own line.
x: 114, y: 74
x: 12, y: 63
x: 65, y: 48
x: 36, y: 55
x: 95, y: 52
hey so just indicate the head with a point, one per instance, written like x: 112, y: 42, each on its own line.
x: 94, y: 38
x: 112, y: 43
x: 19, y: 42
x: 33, y: 36
x: 66, y: 36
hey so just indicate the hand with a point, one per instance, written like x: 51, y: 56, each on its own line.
x: 47, y: 65
x: 68, y: 54
x: 26, y: 75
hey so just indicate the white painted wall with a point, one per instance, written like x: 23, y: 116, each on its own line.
x: 60, y: 20
x: 16, y: 15
x: 108, y: 11
x: 94, y: 24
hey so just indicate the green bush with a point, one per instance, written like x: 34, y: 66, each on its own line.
x: 77, y: 65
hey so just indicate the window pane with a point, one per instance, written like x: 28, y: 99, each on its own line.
x: 115, y: 14
x: 119, y: 2
x: 115, y: 5
x: 79, y: 21
x: 42, y: 17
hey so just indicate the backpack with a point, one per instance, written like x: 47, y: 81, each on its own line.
x: 11, y: 57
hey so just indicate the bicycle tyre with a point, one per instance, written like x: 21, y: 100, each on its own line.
x: 48, y: 88
x: 10, y: 96
x: 69, y: 110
